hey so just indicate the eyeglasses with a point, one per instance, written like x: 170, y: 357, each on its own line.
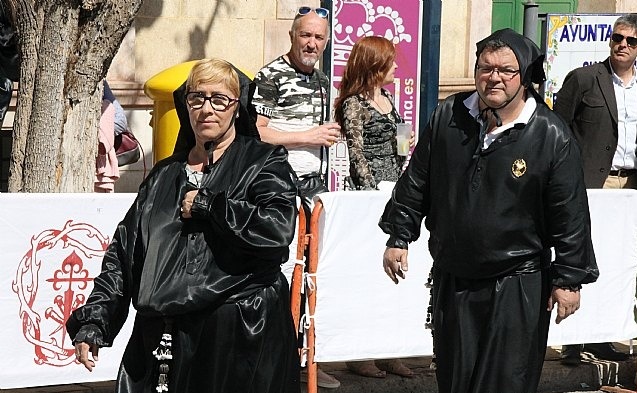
x: 218, y: 102
x: 504, y: 73
x: 618, y: 38
x: 322, y: 12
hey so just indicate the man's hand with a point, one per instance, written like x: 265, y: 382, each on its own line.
x: 395, y: 263
x: 567, y: 302
x: 81, y: 354
x: 325, y: 135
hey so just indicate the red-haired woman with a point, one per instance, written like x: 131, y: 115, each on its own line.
x: 368, y: 118
x: 366, y: 113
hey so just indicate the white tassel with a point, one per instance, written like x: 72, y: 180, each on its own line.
x: 162, y: 353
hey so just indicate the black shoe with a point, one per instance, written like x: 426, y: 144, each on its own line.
x: 571, y: 355
x: 606, y: 351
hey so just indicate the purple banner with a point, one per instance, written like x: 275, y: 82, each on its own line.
x: 399, y: 22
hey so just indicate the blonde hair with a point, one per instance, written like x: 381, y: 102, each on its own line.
x: 213, y: 71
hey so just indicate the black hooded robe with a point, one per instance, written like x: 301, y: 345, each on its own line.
x: 493, y: 216
x: 492, y: 219
x: 213, y: 282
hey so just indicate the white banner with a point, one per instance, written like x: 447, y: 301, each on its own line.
x: 52, y: 247
x: 361, y: 314
x: 573, y: 41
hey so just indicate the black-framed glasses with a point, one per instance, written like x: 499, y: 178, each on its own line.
x: 219, y: 102
x: 320, y: 11
x: 504, y: 73
x: 618, y: 38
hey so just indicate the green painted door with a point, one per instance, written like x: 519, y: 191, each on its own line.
x: 510, y: 13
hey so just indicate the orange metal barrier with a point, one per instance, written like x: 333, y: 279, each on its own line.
x: 306, y: 239
x: 312, y: 264
x: 297, y: 275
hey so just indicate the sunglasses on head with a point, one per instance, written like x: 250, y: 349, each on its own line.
x: 618, y: 38
x: 322, y: 12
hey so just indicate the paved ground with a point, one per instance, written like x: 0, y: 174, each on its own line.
x: 588, y: 377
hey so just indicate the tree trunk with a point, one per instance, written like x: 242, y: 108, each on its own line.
x: 29, y: 28
x: 67, y: 47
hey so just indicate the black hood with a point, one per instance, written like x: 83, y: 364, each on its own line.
x: 245, y: 124
x: 529, y: 57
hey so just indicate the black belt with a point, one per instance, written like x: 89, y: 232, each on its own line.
x: 623, y: 172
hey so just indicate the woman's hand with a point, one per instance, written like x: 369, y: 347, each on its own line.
x: 412, y: 139
x: 82, y: 350
x: 186, y: 204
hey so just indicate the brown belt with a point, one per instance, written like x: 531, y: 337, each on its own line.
x: 623, y: 172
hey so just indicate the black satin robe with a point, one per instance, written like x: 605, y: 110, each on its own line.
x: 493, y: 216
x: 215, y: 277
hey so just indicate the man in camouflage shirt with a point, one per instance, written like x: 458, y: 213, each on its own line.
x: 291, y: 98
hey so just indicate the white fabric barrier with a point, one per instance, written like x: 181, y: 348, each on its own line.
x: 52, y: 243
x: 361, y: 314
x: 52, y: 247
x: 35, y: 345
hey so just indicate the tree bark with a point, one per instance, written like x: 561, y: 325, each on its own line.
x: 67, y: 47
x: 29, y: 28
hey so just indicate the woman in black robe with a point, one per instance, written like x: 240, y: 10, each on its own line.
x: 199, y: 255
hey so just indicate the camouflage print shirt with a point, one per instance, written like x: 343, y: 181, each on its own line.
x: 292, y: 101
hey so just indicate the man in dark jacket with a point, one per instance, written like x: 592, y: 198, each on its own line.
x: 498, y: 178
x: 599, y: 102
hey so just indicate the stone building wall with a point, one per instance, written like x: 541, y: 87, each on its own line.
x: 250, y: 33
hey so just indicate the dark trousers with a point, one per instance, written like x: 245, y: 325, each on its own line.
x: 490, y: 334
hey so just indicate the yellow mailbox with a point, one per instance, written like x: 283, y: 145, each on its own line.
x: 165, y: 122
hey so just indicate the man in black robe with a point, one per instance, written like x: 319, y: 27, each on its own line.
x: 498, y: 179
